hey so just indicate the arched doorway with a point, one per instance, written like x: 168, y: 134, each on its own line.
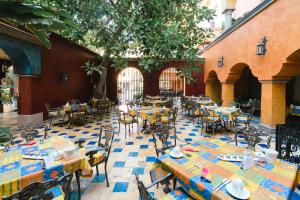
x: 130, y: 84
x: 292, y: 69
x: 214, y: 91
x: 247, y: 86
x: 171, y: 81
x: 9, y: 91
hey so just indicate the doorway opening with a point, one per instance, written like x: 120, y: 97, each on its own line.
x: 9, y: 91
x: 171, y: 83
x: 130, y: 85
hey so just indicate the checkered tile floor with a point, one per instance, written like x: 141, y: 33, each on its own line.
x: 133, y: 155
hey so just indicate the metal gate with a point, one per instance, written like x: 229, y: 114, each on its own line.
x: 130, y: 84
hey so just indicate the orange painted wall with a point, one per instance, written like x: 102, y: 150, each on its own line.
x: 279, y: 23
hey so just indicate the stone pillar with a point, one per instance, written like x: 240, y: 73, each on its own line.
x: 227, y: 93
x: 273, y: 103
x: 209, y: 89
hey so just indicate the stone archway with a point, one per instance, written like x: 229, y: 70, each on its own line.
x: 213, y: 87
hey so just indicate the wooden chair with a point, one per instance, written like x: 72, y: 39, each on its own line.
x: 145, y: 195
x: 57, y: 188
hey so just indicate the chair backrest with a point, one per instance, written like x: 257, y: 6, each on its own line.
x: 5, y: 135
x: 144, y: 194
x: 106, y: 145
x: 39, y: 190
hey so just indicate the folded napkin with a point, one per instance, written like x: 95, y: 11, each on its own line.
x: 191, y: 149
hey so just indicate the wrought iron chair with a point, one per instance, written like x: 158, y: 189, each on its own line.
x: 78, y: 113
x: 98, y: 155
x: 210, y: 119
x: 52, y: 113
x: 243, y: 119
x: 145, y: 195
x: 169, y: 117
x: 6, y: 138
x: 57, y: 188
x: 101, y: 155
x: 125, y: 119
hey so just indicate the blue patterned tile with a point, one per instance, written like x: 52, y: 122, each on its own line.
x: 98, y: 178
x: 92, y: 143
x: 192, y: 134
x: 117, y: 150
x: 120, y: 187
x: 72, y: 136
x: 133, y: 154
x: 139, y: 137
x: 129, y: 143
x: 54, y: 131
x: 188, y: 139
x: 144, y: 146
x: 76, y: 130
x: 150, y: 159
x: 263, y: 146
x: 138, y: 170
x: 119, y: 164
x: 85, y: 132
x: 117, y: 140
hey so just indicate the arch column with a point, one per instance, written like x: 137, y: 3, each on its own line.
x: 209, y: 89
x: 273, y: 103
x: 227, y: 93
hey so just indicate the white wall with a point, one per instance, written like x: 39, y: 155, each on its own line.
x: 243, y: 6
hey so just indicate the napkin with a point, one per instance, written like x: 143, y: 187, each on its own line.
x: 191, y: 149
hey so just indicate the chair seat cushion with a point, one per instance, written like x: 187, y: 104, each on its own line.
x: 57, y: 193
x: 127, y: 120
x: 99, y: 157
x: 241, y: 119
x: 53, y: 113
x: 177, y: 194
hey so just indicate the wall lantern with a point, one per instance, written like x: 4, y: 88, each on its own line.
x: 221, y: 62
x: 63, y: 77
x: 261, y: 47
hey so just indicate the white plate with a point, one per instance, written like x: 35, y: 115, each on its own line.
x: 244, y: 195
x: 178, y: 155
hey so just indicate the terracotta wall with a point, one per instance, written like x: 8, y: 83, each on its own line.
x: 239, y: 47
x: 48, y: 88
x: 151, y: 80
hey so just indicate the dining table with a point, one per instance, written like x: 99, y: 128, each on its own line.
x: 17, y: 171
x: 272, y: 180
x: 150, y: 116
x: 155, y: 103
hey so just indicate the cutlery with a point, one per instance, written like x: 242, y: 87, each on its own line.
x: 217, y: 186
x: 222, y: 185
x: 193, y: 168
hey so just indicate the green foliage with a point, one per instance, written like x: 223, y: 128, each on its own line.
x: 35, y: 18
x: 92, y: 69
x: 156, y: 31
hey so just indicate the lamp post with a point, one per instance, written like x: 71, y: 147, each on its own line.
x: 261, y: 47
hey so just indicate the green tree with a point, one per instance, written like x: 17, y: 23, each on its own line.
x: 157, y: 31
x: 35, y: 18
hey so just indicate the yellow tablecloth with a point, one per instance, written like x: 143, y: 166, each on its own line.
x: 16, y: 172
x: 266, y: 180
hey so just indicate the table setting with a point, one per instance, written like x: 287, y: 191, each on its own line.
x: 21, y: 165
x: 213, y: 169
